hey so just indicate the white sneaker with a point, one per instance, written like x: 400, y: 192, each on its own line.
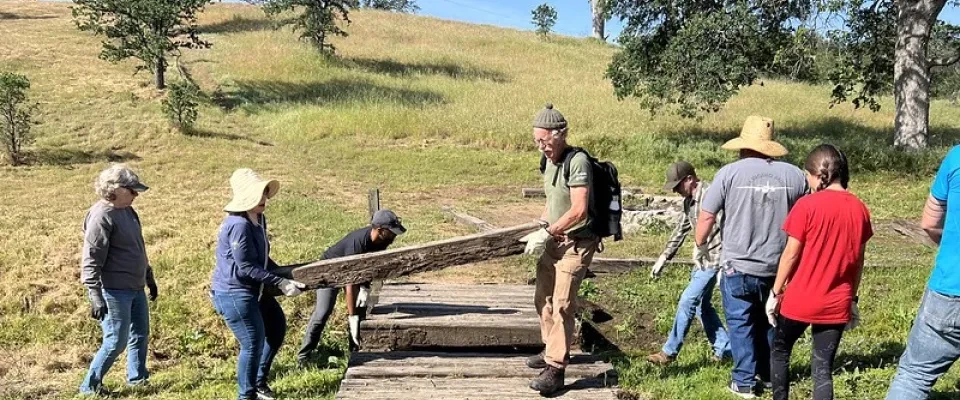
x: 744, y: 393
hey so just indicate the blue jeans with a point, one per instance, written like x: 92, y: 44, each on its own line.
x: 933, y: 346
x: 695, y: 302
x: 126, y: 326
x: 260, y: 327
x: 751, y: 336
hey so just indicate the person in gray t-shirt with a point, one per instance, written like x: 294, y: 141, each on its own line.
x: 755, y: 194
x: 114, y: 268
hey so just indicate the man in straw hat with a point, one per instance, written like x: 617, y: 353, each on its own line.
x: 568, y: 246
x: 243, y: 267
x: 384, y: 228
x: 755, y: 194
x: 696, y: 299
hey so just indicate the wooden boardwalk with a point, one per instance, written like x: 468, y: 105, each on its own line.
x: 421, y: 331
x: 411, y: 316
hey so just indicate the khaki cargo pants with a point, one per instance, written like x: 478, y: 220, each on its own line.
x: 559, y: 273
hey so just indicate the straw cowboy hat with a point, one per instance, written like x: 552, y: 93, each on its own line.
x: 248, y: 188
x: 757, y: 135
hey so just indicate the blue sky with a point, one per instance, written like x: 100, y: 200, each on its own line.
x: 573, y: 16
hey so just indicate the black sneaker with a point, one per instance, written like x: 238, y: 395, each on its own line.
x: 265, y: 393
x: 743, y: 391
x: 549, y: 382
x: 536, y: 361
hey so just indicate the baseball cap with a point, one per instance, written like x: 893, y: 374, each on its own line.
x: 387, y: 219
x: 676, y: 173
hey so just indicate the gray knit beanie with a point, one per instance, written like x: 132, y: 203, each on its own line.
x: 548, y: 118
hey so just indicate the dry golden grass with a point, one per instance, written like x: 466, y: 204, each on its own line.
x: 433, y: 112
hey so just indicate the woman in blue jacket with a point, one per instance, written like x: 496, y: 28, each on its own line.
x: 242, y: 270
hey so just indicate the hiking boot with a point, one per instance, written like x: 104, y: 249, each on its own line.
x: 660, y: 358
x: 265, y: 393
x: 536, y: 361
x: 549, y: 382
x: 744, y: 392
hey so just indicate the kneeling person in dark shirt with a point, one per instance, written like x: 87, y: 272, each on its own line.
x: 383, y: 229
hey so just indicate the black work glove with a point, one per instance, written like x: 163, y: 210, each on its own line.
x: 153, y: 290
x: 98, y: 306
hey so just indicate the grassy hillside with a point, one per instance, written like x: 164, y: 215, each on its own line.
x: 433, y: 112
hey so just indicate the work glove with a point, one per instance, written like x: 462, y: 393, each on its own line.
x: 152, y: 286
x: 854, y: 317
x: 362, y: 296
x: 658, y: 267
x: 773, y: 303
x: 535, y: 241
x: 98, y: 306
x: 290, y: 287
x: 354, y: 322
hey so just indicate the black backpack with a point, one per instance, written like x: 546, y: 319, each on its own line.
x: 606, y: 208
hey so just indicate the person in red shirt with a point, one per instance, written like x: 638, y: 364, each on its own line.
x: 819, y: 272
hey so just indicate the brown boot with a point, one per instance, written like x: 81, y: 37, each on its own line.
x: 536, y: 361
x: 549, y: 382
x: 660, y: 358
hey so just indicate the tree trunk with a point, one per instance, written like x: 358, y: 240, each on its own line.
x: 911, y: 72
x: 598, y: 19
x: 159, y: 71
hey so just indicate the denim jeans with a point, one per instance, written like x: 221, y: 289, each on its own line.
x: 696, y: 302
x: 126, y: 326
x: 751, y: 336
x: 260, y: 327
x: 933, y: 346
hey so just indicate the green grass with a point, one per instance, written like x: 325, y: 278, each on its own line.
x: 432, y: 112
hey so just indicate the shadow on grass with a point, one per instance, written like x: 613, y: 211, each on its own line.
x: 62, y: 156
x: 402, y: 69
x: 869, y: 149
x: 332, y: 92
x: 238, y: 23
x: 12, y: 16
x: 201, y: 133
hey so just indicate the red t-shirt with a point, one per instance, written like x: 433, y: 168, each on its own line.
x: 832, y: 225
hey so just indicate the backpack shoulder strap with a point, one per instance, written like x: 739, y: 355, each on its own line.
x: 570, y: 152
x: 543, y: 163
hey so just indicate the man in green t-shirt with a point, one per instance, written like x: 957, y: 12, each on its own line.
x: 568, y: 246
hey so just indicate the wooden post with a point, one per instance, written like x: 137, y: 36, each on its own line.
x: 373, y: 201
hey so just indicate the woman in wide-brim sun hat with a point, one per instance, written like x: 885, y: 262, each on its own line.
x: 242, y: 269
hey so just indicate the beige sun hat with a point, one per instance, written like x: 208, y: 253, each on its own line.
x: 248, y: 188
x: 757, y: 135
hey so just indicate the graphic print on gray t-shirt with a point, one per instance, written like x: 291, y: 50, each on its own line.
x: 755, y: 196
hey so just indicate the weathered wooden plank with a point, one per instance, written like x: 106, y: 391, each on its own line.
x: 532, y: 192
x: 912, y: 230
x: 602, y: 265
x: 463, y: 365
x: 468, y: 388
x: 468, y: 220
x: 413, y: 259
x: 413, y: 336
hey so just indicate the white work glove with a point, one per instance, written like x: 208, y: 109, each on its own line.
x: 535, y: 241
x: 362, y: 297
x: 854, y: 317
x: 354, y: 322
x: 657, y: 268
x: 290, y: 287
x: 772, y: 306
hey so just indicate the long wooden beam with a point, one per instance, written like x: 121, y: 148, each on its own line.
x: 413, y: 259
x: 538, y: 192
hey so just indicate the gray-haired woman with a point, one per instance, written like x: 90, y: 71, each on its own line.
x: 114, y: 268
